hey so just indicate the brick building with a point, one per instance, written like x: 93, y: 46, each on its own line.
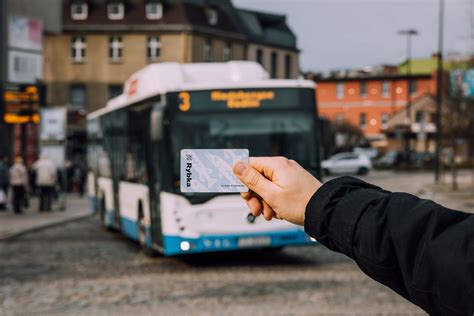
x: 370, y: 100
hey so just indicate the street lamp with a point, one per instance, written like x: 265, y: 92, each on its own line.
x: 409, y: 33
x: 439, y: 91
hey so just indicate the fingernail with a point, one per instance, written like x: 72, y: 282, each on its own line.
x: 239, y: 168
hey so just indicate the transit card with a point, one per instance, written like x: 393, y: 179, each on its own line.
x: 210, y: 170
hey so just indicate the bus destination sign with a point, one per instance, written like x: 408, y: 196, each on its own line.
x: 242, y: 99
x: 270, y: 99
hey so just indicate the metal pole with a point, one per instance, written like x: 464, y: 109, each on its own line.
x: 409, y: 78
x: 408, y: 135
x: 408, y: 33
x: 439, y: 91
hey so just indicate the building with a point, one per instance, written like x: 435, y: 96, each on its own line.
x: 368, y: 100
x: 22, y: 24
x: 421, y: 132
x: 428, y: 65
x: 103, y: 42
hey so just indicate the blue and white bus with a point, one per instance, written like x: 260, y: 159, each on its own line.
x: 134, y: 144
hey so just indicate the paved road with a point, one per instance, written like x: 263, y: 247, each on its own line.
x: 81, y: 269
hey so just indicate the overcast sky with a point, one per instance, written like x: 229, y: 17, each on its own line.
x: 337, y: 34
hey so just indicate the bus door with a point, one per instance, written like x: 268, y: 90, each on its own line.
x: 114, y: 144
x: 155, y: 158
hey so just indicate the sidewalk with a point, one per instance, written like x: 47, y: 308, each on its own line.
x: 462, y: 199
x: 12, y: 224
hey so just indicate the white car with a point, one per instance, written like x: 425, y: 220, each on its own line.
x: 349, y: 162
x: 372, y: 153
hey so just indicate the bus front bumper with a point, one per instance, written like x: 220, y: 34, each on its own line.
x: 177, y: 245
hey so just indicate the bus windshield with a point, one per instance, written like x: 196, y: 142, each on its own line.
x: 287, y: 134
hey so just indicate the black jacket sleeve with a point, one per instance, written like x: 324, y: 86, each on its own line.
x: 420, y: 249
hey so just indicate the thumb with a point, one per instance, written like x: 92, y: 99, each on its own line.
x: 254, y: 180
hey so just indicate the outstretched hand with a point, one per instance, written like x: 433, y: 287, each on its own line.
x: 278, y: 188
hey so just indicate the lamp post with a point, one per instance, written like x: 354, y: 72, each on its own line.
x: 409, y: 33
x: 439, y: 91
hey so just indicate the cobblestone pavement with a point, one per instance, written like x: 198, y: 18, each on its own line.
x: 82, y: 269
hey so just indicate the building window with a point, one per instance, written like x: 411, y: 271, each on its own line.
x: 362, y: 120
x: 413, y: 87
x: 419, y: 117
x: 114, y: 91
x: 288, y: 66
x: 340, y: 90
x: 273, y: 69
x: 154, y: 10
x: 115, y: 10
x: 259, y: 56
x: 207, y: 52
x: 212, y: 16
x: 79, y: 10
x: 78, y: 49
x: 227, y: 52
x: 115, y: 48
x: 363, y: 89
x: 384, y: 120
x: 339, y: 118
x: 385, y: 89
x: 153, y: 51
x: 77, y: 95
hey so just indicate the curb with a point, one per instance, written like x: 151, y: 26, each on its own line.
x: 14, y: 235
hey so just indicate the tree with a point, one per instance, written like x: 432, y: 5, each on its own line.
x: 347, y: 136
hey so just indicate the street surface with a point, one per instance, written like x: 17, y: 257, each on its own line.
x: 81, y: 269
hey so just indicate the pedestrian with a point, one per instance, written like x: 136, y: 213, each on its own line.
x: 45, y: 181
x: 19, y: 184
x: 4, y: 182
x: 79, y: 177
x: 420, y: 249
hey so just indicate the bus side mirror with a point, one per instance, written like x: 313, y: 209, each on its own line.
x: 156, y: 125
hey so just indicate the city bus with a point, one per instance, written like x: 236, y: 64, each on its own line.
x: 134, y: 145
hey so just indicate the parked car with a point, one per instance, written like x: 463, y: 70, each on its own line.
x: 347, y: 163
x: 423, y: 159
x: 370, y: 152
x: 391, y: 159
x: 395, y: 158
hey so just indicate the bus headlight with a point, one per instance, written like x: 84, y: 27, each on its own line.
x: 185, y: 245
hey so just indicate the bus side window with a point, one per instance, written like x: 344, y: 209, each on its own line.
x: 135, y: 162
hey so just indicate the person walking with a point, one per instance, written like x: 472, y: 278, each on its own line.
x: 79, y: 177
x: 4, y: 183
x: 19, y: 184
x: 420, y: 249
x: 45, y: 181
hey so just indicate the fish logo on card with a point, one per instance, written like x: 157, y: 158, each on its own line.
x: 210, y: 170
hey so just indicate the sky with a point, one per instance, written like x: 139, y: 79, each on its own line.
x: 343, y: 34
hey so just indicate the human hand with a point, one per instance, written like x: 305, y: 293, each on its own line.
x: 278, y: 187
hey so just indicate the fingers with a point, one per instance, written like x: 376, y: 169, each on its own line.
x: 246, y: 195
x: 255, y: 181
x: 268, y: 212
x: 268, y: 165
x: 255, y: 205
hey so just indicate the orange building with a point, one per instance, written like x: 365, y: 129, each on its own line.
x: 368, y: 101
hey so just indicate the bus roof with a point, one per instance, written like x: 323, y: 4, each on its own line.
x: 160, y: 78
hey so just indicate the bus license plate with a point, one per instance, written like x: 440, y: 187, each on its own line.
x: 254, y: 241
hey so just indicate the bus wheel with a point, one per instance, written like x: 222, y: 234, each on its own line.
x: 142, y: 233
